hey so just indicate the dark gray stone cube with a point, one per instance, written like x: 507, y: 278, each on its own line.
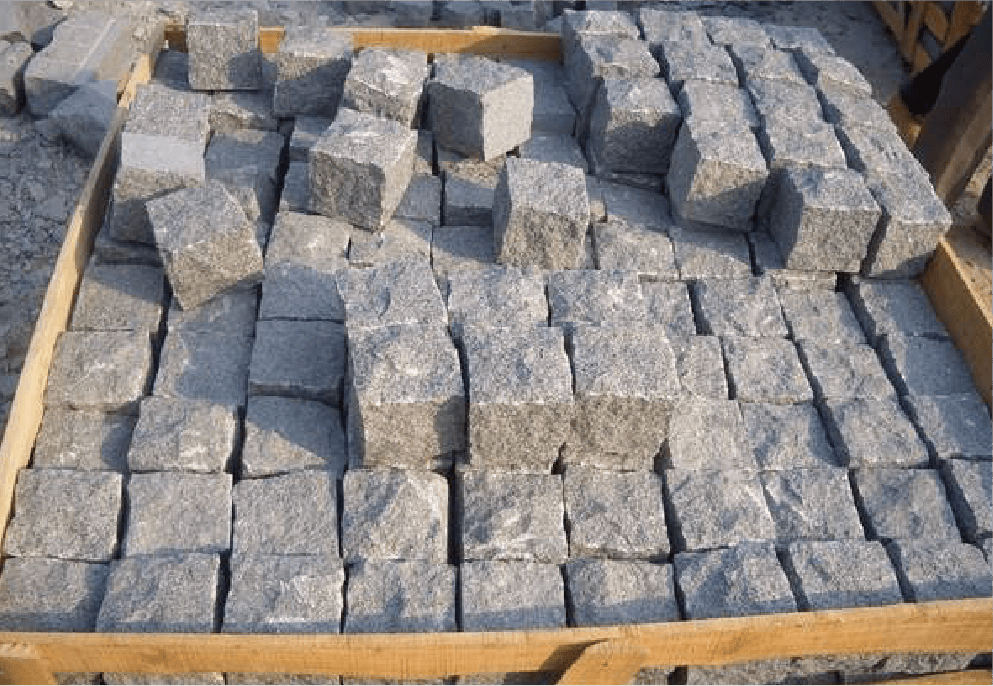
x: 387, y: 83
x: 820, y: 315
x: 596, y: 297
x: 291, y: 514
x: 470, y: 188
x: 183, y: 436
x: 224, y: 49
x: 311, y: 65
x: 289, y: 434
x: 606, y: 593
x: 940, y: 570
x: 812, y: 504
x: 870, y: 432
x: 397, y: 293
x: 173, y: 512
x: 231, y: 312
x: 765, y: 370
x: 298, y: 359
x: 399, y: 240
x: 969, y: 486
x: 841, y: 370
x: 788, y: 437
x: 500, y: 596
x: 622, y: 246
x: 707, y: 434
x: 700, y: 365
x: 306, y: 130
x: 100, y: 370
x: 83, y: 440
x: 119, y: 297
x: 952, y: 425
x: 710, y: 255
x: 496, y: 297
x: 738, y: 307
x: 38, y: 594
x: 204, y: 366
x: 925, y: 366
x: 669, y: 307
x: 904, y: 503
x: 387, y: 597
x: 715, y: 509
x: 836, y: 574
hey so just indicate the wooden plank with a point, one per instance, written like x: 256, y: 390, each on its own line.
x: 965, y: 15
x: 969, y: 676
x: 935, y: 19
x: 921, y: 59
x: 22, y: 664
x: 892, y: 15
x: 610, y: 662
x: 914, y: 22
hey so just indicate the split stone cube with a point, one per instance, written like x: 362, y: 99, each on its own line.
x: 174, y: 679
x: 100, y: 370
x: 598, y: 208
x: 540, y: 215
x: 470, y: 190
x: 400, y: 239
x: 738, y: 307
x: 715, y: 509
x: 660, y: 26
x: 183, y: 436
x: 424, y: 158
x: 456, y: 249
x: 824, y: 69
x: 735, y: 31
x: 307, y: 130
x: 212, y: 367
x: 497, y: 297
x: 952, y: 425
x: 769, y: 262
x: 716, y: 175
x: 621, y: 246
x: 871, y: 432
x: 669, y: 307
x: 812, y: 504
x: 841, y: 370
x: 940, y: 570
x: 406, y: 399
x: 237, y: 110
x: 387, y: 83
x: 765, y: 370
x: 83, y: 118
x: 710, y: 255
x: 893, y: 307
x: 285, y: 594
x: 224, y: 49
x: 311, y: 65
x: 511, y: 517
x: 636, y: 206
x: 397, y: 293
x: 969, y: 486
x: 597, y: 297
x: 295, y: 195
x: 119, y: 297
x: 836, y: 574
x: 387, y: 597
x: 626, y: 385
x: 14, y: 60
x: 700, y: 365
x: 172, y: 68
x: 162, y: 593
x: 479, y: 107
x: 850, y: 109
x: 706, y: 434
x: 925, y: 366
x: 360, y: 168
x: 291, y: 514
x: 422, y: 201
x: 682, y: 62
x: 39, y: 594
x: 783, y: 100
x: 83, y: 440
x: 290, y: 434
x: 520, y: 394
x: 793, y: 38
x: 500, y: 596
x: 170, y: 512
x: 709, y: 101
x: 65, y: 514
x: 617, y: 515
x: 596, y: 22
x: 758, y: 62
x: 736, y: 582
x: 788, y: 437
x: 299, y: 360
x: 607, y: 592
x: 905, y: 503
x: 820, y: 316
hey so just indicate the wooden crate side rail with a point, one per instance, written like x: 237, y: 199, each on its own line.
x: 907, y: 20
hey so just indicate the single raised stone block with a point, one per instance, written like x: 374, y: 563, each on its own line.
x: 952, y: 425
x: 65, y: 514
x: 706, y: 434
x: 710, y: 255
x: 520, y: 393
x: 669, y: 307
x: 461, y: 15
x: 769, y: 262
x: 540, y: 214
x: 552, y: 112
x: 456, y: 249
x: 765, y: 370
x: 397, y: 293
x: 738, y: 307
x: 387, y: 83
x: 812, y: 504
x: 788, y: 437
x: 905, y: 503
x: 162, y: 593
x: 559, y: 148
x: 51, y: 595
x: 285, y: 594
x: 869, y: 432
x: 14, y: 59
x: 83, y: 440
x: 224, y: 49
x: 289, y: 434
x: 841, y: 370
x: 592, y: 296
x: 744, y: 580
x: 470, y: 188
x: 360, y: 168
x: 940, y: 570
x: 682, y: 62
x: 758, y: 62
x: 621, y: 246
x: 717, y: 509
x: 496, y: 297
x: 791, y: 103
x: 735, y: 31
x: 234, y: 111
x: 171, y: 512
x: 510, y: 517
x: 81, y: 119
x: 708, y: 101
x: 836, y: 574
x: 925, y: 366
x: 893, y: 307
x: 400, y: 239
x: 298, y: 359
x: 119, y: 297
x: 606, y: 593
x: 511, y: 595
x: 406, y: 400
x: 823, y: 69
x: 306, y: 131
x: 820, y: 316
x: 386, y: 597
x: 422, y: 201
x: 291, y: 514
x: 617, y: 515
x: 183, y: 436
x: 100, y: 370
x: 794, y: 38
x: 204, y: 366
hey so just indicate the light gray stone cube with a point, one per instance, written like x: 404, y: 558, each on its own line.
x: 81, y: 119
x: 940, y: 570
x: 246, y: 162
x: 700, y: 365
x: 83, y: 440
x: 788, y: 437
x: 769, y: 262
x: 497, y: 297
x: 758, y: 62
x: 291, y: 514
x: 735, y: 31
x: 925, y: 366
x: 794, y: 38
x: 819, y: 315
x: 710, y: 255
x: 669, y: 307
x: 597, y: 297
x: 38, y: 594
x: 307, y: 129
x: 231, y: 312
x: 709, y: 101
x: 499, y: 596
x: 952, y: 425
x: 660, y: 26
x: 765, y: 370
x: 387, y: 597
x: 620, y: 245
x: 715, y: 509
x: 398, y: 293
x: 836, y: 574
x: 848, y: 108
x: 706, y: 434
x: 170, y: 512
x: 470, y: 188
x: 777, y: 99
x: 823, y: 69
x: 183, y: 436
x: 387, y: 83
x: 289, y: 434
x: 843, y: 371
x: 211, y: 367
x: 561, y: 148
x: 738, y: 307
x: 682, y: 61
x: 400, y: 239
x: 119, y: 297
x: 224, y: 49
x: 311, y: 65
x: 596, y: 22
x: 878, y: 152
x: 904, y: 503
x: 636, y: 206
x: 456, y: 249
x: 870, y: 432
x: 422, y: 201
x: 893, y: 307
x: 100, y: 370
x: 237, y: 110
x: 295, y: 195
x: 298, y: 359
x: 812, y: 504
x: 606, y: 592
x: 177, y: 678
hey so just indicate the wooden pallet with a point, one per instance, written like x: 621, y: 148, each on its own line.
x: 925, y: 29
x: 590, y: 655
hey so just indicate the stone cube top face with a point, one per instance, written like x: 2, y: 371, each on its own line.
x: 385, y: 596
x: 502, y: 596
x: 159, y: 110
x: 224, y: 49
x: 953, y: 426
x: 788, y: 437
x: 784, y: 100
x: 625, y: 362
x: 671, y: 26
x: 812, y: 504
x: 761, y: 62
x: 785, y: 142
x: 735, y: 31
x: 387, y: 83
x: 871, y: 432
x: 765, y: 370
x: 40, y: 594
x: 837, y: 574
x: 119, y: 297
x: 399, y: 240
x: 100, y: 370
x: 83, y: 440
x: 925, y: 366
x: 232, y: 312
x: 403, y: 292
x: 364, y: 139
x: 182, y: 435
x: 624, y: 96
x: 475, y: 74
x: 941, y: 570
x: 210, y: 366
x: 707, y: 434
x: 716, y: 102
x: 291, y: 434
x: 598, y: 22
x: 298, y: 359
x: 739, y: 307
x: 549, y: 187
x: 623, y: 246
x: 716, y: 509
x: 315, y: 42
x: 905, y: 503
x: 516, y: 367
x: 710, y: 255
x: 174, y: 512
x: 586, y: 296
x: 823, y: 68
x: 497, y: 297
x: 819, y: 315
x: 894, y: 307
x: 308, y: 239
x: 842, y: 371
x: 794, y: 38
x: 608, y: 592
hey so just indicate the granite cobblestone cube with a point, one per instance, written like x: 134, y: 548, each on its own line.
x: 871, y: 432
x: 682, y: 62
x: 224, y: 49
x: 387, y: 83
x: 83, y: 118
x: 893, y: 307
x: 710, y: 255
x: 500, y: 596
x: 40, y: 594
x: 311, y: 66
x: 835, y: 574
x: 669, y: 306
x: 232, y: 312
x: 765, y: 370
x: 788, y: 437
x: 290, y: 514
x: 878, y: 152
x: 236, y: 110
x: 822, y: 69
x: 299, y: 360
x: 735, y: 31
x: 174, y: 512
x: 709, y: 101
x: 713, y: 509
x: 821, y: 316
x: 848, y: 109
x: 402, y: 292
x: 561, y: 148
x: 456, y: 249
x: 422, y: 201
x: 951, y: 425
x: 769, y: 262
x: 100, y: 370
x: 639, y: 207
x: 840, y: 370
x: 777, y: 99
x: 496, y: 297
x: 83, y: 440
x: 793, y: 38
x: 969, y: 486
x: 400, y: 239
x: 14, y: 58
x: 306, y: 130
x: 700, y: 365
x: 289, y: 434
x: 620, y: 245
x: 905, y: 503
x: 295, y: 194
x: 183, y: 436
x: 388, y: 597
x: 608, y: 592
x: 469, y: 192
x: 246, y: 163
x: 596, y: 297
x: 597, y: 23
x: 940, y: 570
x: 925, y: 366
x: 119, y: 297
x: 738, y: 307
x: 203, y: 366
x: 661, y: 26
x: 763, y: 62
x: 707, y: 434
x: 812, y: 504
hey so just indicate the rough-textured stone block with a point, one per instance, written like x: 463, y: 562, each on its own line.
x: 51, y: 595
x: 81, y: 119
x: 659, y: 26
x: 167, y: 593
x: 470, y: 188
x: 295, y: 195
x: 893, y: 307
x: 765, y: 370
x: 669, y: 307
x: 708, y: 101
x: 83, y: 440
x: 406, y: 399
x: 246, y: 162
x: 736, y: 582
x: 520, y: 393
x: 171, y: 69
x: 232, y: 312
x: 812, y: 504
x: 706, y: 434
x: 710, y: 255
x: 65, y: 514
x: 424, y: 157
x: 292, y: 514
x: 617, y: 515
x: 400, y: 239
x: 840, y: 370
x: 940, y: 570
x: 682, y: 62
x: 387, y: 83
x: 422, y: 201
x: 540, y: 214
x: 825, y: 70
x: 849, y: 109
x: 306, y: 131
x: 925, y: 366
x: 559, y: 148
x: 311, y: 65
x: 204, y: 366
x: 456, y: 249
x: 511, y: 595
x: 820, y: 316
x: 285, y: 594
x: 878, y: 152
x: 904, y: 503
x: 787, y: 437
x: 497, y: 297
x: 952, y: 425
x: 793, y: 38
x: 14, y: 59
x: 758, y: 62
x: 233, y: 111
x: 592, y: 296
x: 289, y: 434
x: 224, y: 49
x: 171, y: 512
x: 183, y: 436
x: 769, y: 262
x: 783, y: 100
x: 397, y: 293
x: 100, y: 370
x: 298, y: 359
x: 119, y: 297
x: 255, y: 678
x: 869, y: 432
x: 738, y: 307
x: 620, y: 245
x: 154, y: 679
x: 384, y: 597
x: 700, y: 365
x: 606, y: 593
x: 735, y: 31
x: 837, y: 574
x: 713, y: 509
x: 636, y: 206
x: 596, y: 22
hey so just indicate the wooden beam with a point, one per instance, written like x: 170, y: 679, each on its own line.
x: 23, y: 664
x: 965, y: 14
x: 911, y: 31
x: 891, y: 16
x: 610, y: 662
x: 937, y: 22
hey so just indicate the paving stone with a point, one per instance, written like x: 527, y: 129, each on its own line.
x: 621, y: 246
x: 100, y: 370
x: 597, y: 297
x: 159, y: 679
x: 710, y: 255
x: 820, y: 316
x: 812, y: 504
x: 183, y: 436
x: 952, y: 425
x: 969, y: 490
x: 893, y: 307
x: 311, y: 66
x: 787, y: 437
x: 669, y: 307
x: 822, y: 69
x: 83, y: 440
x: 598, y: 208
x: 422, y: 201
x: 116, y: 297
x: 904, y: 503
x: 511, y: 595
x: 661, y: 26
x: 400, y: 239
x: 224, y: 49
x: 387, y: 83
x: 707, y: 434
x: 246, y: 162
x: 794, y: 38
x: 397, y: 293
x: 299, y: 360
x: 295, y: 195
x: 940, y: 570
x: 65, y: 514
x: 925, y: 366
x: 497, y: 297
x: 596, y: 23
x: 461, y: 15
x: 289, y: 434
x: 765, y: 370
x: 112, y: 251
x: 38, y: 594
x: 849, y: 108
x: 406, y: 399
x: 361, y: 151
x: 735, y: 582
x: 307, y: 130
x: 783, y: 100
x: 769, y: 262
x: 871, y: 432
x: 552, y: 112
x: 987, y: 545
x: 561, y: 148
x: 713, y: 509
x: 878, y: 152
x: 616, y: 515
x: 738, y: 307
x: 520, y: 393
x: 763, y: 62
x: 282, y: 678
x: 83, y: 118
x: 841, y: 370
x: 700, y: 365
x: 171, y: 69
x: 636, y: 206
x: 386, y: 596
x: 455, y: 249
x: 13, y: 61
x: 161, y: 593
x: 782, y: 671
x: 285, y: 594
x: 470, y: 189
x: 606, y: 593
x: 171, y: 512
x: 835, y: 574
x: 291, y: 514
x: 197, y: 365
x: 735, y: 31
x: 682, y: 62
x: 710, y: 101
x: 233, y: 111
